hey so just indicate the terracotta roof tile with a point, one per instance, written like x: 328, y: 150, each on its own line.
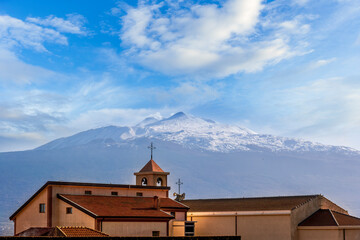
x: 322, y: 217
x: 119, y: 206
x: 36, y: 231
x: 247, y: 204
x: 81, y: 232
x: 327, y: 217
x: 151, y: 166
x: 346, y: 220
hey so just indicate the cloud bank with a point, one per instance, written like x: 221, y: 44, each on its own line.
x: 207, y: 40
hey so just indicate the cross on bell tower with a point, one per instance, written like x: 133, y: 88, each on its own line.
x: 151, y: 174
x: 151, y: 147
x: 179, y: 183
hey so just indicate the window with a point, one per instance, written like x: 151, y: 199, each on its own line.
x: 159, y: 182
x: 189, y: 228
x: 69, y: 210
x: 41, y: 207
x: 139, y: 194
x: 87, y: 192
x: 114, y: 193
x: 156, y: 233
x: 173, y: 213
x: 144, y: 181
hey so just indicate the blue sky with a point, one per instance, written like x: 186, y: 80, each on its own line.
x: 289, y: 68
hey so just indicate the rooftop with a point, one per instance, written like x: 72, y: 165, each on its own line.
x: 122, y: 207
x: 327, y: 217
x: 151, y: 166
x: 80, y: 232
x: 248, y: 204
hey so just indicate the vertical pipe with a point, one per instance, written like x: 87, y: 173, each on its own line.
x: 49, y: 206
x: 236, y: 233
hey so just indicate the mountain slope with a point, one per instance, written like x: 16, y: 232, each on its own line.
x: 192, y: 132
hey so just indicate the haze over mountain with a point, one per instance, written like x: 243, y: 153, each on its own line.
x: 212, y: 159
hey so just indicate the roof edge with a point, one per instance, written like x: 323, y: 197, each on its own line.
x: 74, y: 204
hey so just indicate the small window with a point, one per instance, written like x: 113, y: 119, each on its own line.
x: 156, y: 233
x: 189, y: 228
x: 69, y: 210
x: 159, y: 182
x: 114, y: 193
x: 173, y: 213
x: 144, y: 181
x: 42, y: 207
x: 139, y: 194
x: 87, y: 192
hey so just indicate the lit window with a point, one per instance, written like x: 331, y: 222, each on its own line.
x: 159, y: 182
x: 144, y: 181
x: 42, y: 207
x: 69, y: 210
x: 156, y: 233
x: 139, y: 194
x: 88, y: 192
x: 114, y: 193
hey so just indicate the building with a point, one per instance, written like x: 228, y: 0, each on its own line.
x: 117, y: 210
x: 311, y: 217
x: 145, y: 209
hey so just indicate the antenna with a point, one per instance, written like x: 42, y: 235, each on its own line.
x: 151, y: 147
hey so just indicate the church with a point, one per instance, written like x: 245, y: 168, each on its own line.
x: 76, y: 209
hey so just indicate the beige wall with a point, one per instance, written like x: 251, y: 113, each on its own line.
x: 352, y: 234
x: 249, y: 227
x: 326, y: 234
x: 177, y: 228
x: 141, y: 229
x: 331, y: 233
x: 30, y: 215
x: 267, y: 227
x: 77, y: 218
x: 214, y: 226
x: 301, y: 213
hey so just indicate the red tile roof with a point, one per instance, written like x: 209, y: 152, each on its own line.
x: 151, y: 166
x: 36, y: 231
x: 119, y: 206
x: 327, y: 217
x: 80, y: 232
x: 247, y: 204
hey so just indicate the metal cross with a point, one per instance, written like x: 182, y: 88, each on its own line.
x: 179, y: 183
x: 152, y: 148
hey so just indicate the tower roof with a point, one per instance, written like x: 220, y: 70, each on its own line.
x: 151, y: 166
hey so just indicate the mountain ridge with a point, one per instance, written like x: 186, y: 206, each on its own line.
x: 194, y: 132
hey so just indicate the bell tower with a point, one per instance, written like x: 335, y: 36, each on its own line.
x: 151, y: 174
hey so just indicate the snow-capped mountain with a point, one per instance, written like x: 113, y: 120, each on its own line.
x: 193, y: 132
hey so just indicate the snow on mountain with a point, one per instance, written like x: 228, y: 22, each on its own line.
x: 192, y: 132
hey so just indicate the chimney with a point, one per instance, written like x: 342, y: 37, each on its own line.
x: 156, y: 202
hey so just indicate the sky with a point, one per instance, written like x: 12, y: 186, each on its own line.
x: 288, y: 67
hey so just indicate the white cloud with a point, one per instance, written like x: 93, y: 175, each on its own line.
x: 13, y: 70
x: 73, y: 24
x: 205, y: 40
x: 322, y: 62
x: 15, y: 32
